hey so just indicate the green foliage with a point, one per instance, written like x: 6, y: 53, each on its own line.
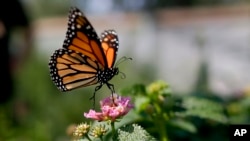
x: 184, y: 125
x: 169, y: 117
x: 39, y: 111
x: 239, y: 109
x: 203, y: 108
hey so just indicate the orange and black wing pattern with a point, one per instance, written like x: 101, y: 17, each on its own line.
x: 110, y: 44
x: 84, y: 59
x: 70, y: 70
x: 82, y: 37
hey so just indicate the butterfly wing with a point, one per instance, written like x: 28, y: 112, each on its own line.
x: 110, y: 44
x: 84, y: 59
x: 70, y: 69
x: 81, y: 37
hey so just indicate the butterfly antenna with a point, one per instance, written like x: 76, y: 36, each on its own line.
x: 124, y: 58
x: 123, y: 75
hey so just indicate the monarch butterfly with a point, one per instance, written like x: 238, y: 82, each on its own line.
x: 84, y: 59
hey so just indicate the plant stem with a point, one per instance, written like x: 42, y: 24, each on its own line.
x: 101, y: 138
x: 88, y: 137
x: 160, y: 123
x: 113, y: 129
x: 162, y: 128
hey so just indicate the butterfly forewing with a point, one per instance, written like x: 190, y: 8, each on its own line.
x: 82, y: 37
x: 110, y: 44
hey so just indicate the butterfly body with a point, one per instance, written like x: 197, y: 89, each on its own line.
x: 107, y: 74
x: 85, y: 59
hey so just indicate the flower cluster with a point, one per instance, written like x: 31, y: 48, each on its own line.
x: 81, y: 130
x: 112, y: 108
x: 99, y: 131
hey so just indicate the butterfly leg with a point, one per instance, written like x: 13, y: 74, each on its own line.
x: 93, y: 97
x: 111, y: 87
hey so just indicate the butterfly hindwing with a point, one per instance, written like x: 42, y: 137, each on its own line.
x: 82, y: 37
x: 110, y: 44
x: 70, y: 70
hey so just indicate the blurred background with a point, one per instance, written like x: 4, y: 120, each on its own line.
x: 197, y: 46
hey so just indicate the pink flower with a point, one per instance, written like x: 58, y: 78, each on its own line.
x: 111, y: 109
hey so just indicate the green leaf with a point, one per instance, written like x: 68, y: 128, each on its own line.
x: 185, y: 125
x: 134, y: 132
x: 203, y: 108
